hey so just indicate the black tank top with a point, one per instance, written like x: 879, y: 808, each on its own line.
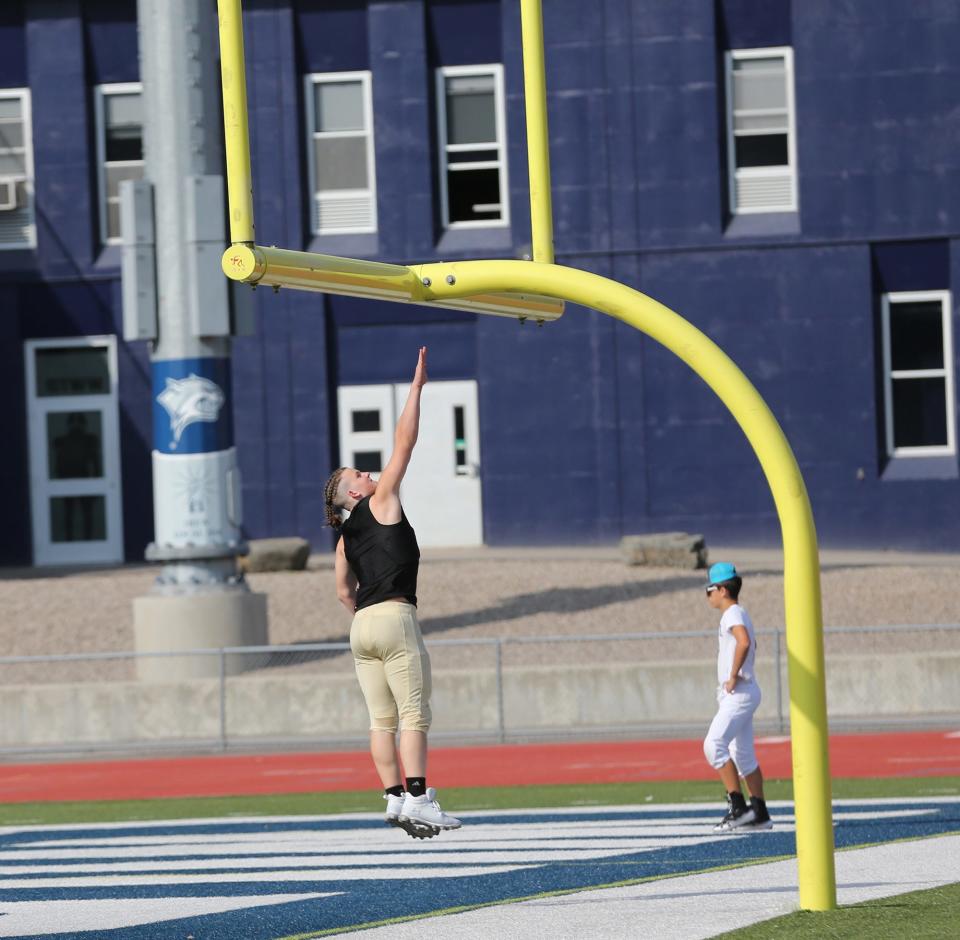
x: 385, y: 558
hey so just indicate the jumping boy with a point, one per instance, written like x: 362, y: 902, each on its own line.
x: 728, y: 745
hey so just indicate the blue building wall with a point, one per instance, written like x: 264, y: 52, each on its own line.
x: 618, y: 435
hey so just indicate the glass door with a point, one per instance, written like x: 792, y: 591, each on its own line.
x: 74, y: 450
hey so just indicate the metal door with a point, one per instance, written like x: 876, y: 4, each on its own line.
x: 74, y: 450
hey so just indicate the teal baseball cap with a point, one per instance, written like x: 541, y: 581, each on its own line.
x: 720, y: 572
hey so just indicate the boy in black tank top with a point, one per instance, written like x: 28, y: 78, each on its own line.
x: 377, y: 561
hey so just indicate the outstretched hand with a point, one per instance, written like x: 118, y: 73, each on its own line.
x: 420, y: 376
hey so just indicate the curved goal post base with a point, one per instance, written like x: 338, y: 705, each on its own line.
x: 458, y: 284
x: 803, y: 609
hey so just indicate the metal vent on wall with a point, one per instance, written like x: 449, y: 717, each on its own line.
x: 344, y: 213
x: 16, y: 225
x: 774, y: 191
x: 9, y: 197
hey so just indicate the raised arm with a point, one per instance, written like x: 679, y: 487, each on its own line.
x: 385, y: 502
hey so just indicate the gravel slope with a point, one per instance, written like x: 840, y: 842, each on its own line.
x: 505, y: 592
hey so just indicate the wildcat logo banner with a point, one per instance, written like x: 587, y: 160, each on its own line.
x: 192, y: 411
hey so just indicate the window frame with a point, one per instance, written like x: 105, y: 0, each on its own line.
x: 23, y: 94
x: 311, y: 81
x: 494, y: 69
x: 101, y: 93
x: 733, y: 172
x: 890, y: 375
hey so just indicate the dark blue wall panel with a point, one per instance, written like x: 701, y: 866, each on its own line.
x: 13, y: 47
x: 61, y: 105
x: 546, y: 427
x: 874, y: 96
x: 754, y: 24
x: 281, y: 417
x: 589, y: 429
x: 277, y: 139
x: 405, y: 131
x: 675, y: 92
x: 372, y: 355
x: 67, y: 308
x: 110, y: 30
x: 463, y: 32
x: 331, y: 34
x: 906, y: 266
x: 793, y: 321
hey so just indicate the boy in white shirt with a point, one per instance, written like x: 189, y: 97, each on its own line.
x: 728, y: 745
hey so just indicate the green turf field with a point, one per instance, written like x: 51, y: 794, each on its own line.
x: 601, y: 794
x: 920, y: 915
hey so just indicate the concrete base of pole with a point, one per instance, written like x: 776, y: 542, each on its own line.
x: 209, y: 620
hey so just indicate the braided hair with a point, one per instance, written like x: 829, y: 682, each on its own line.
x: 334, y: 516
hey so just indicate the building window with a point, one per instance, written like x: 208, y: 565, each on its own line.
x: 120, y: 150
x: 761, y: 130
x: 340, y: 156
x: 473, y: 162
x: 918, y: 374
x: 17, y: 224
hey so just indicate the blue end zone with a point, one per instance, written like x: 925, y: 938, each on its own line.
x: 367, y: 896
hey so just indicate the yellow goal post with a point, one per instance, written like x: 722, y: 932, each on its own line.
x: 256, y: 265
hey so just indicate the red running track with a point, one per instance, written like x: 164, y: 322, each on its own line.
x: 922, y: 754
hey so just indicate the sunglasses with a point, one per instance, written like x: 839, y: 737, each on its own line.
x: 712, y: 588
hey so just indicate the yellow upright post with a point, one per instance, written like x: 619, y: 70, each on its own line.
x: 538, y: 141
x: 235, y: 127
x: 804, y: 619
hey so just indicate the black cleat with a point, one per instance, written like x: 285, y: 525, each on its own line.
x: 738, y: 814
x: 761, y: 818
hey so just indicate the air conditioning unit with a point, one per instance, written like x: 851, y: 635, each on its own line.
x: 8, y: 193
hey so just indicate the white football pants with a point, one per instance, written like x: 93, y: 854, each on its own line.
x: 731, y: 731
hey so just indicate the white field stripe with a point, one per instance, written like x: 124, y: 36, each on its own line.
x: 312, y: 841
x: 468, y: 817
x: 477, y: 845
x: 586, y: 806
x: 445, y: 844
x: 35, y: 919
x: 272, y: 877
x: 375, y: 836
x: 543, y: 854
x: 321, y: 838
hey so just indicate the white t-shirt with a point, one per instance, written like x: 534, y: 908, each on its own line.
x: 728, y: 643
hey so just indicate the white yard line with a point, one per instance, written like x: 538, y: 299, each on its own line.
x: 694, y: 907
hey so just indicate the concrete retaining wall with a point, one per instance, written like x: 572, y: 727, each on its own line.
x: 278, y: 704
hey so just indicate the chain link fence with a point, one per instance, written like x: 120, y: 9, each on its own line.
x: 485, y: 689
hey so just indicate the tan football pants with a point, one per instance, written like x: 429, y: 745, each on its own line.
x: 393, y: 666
